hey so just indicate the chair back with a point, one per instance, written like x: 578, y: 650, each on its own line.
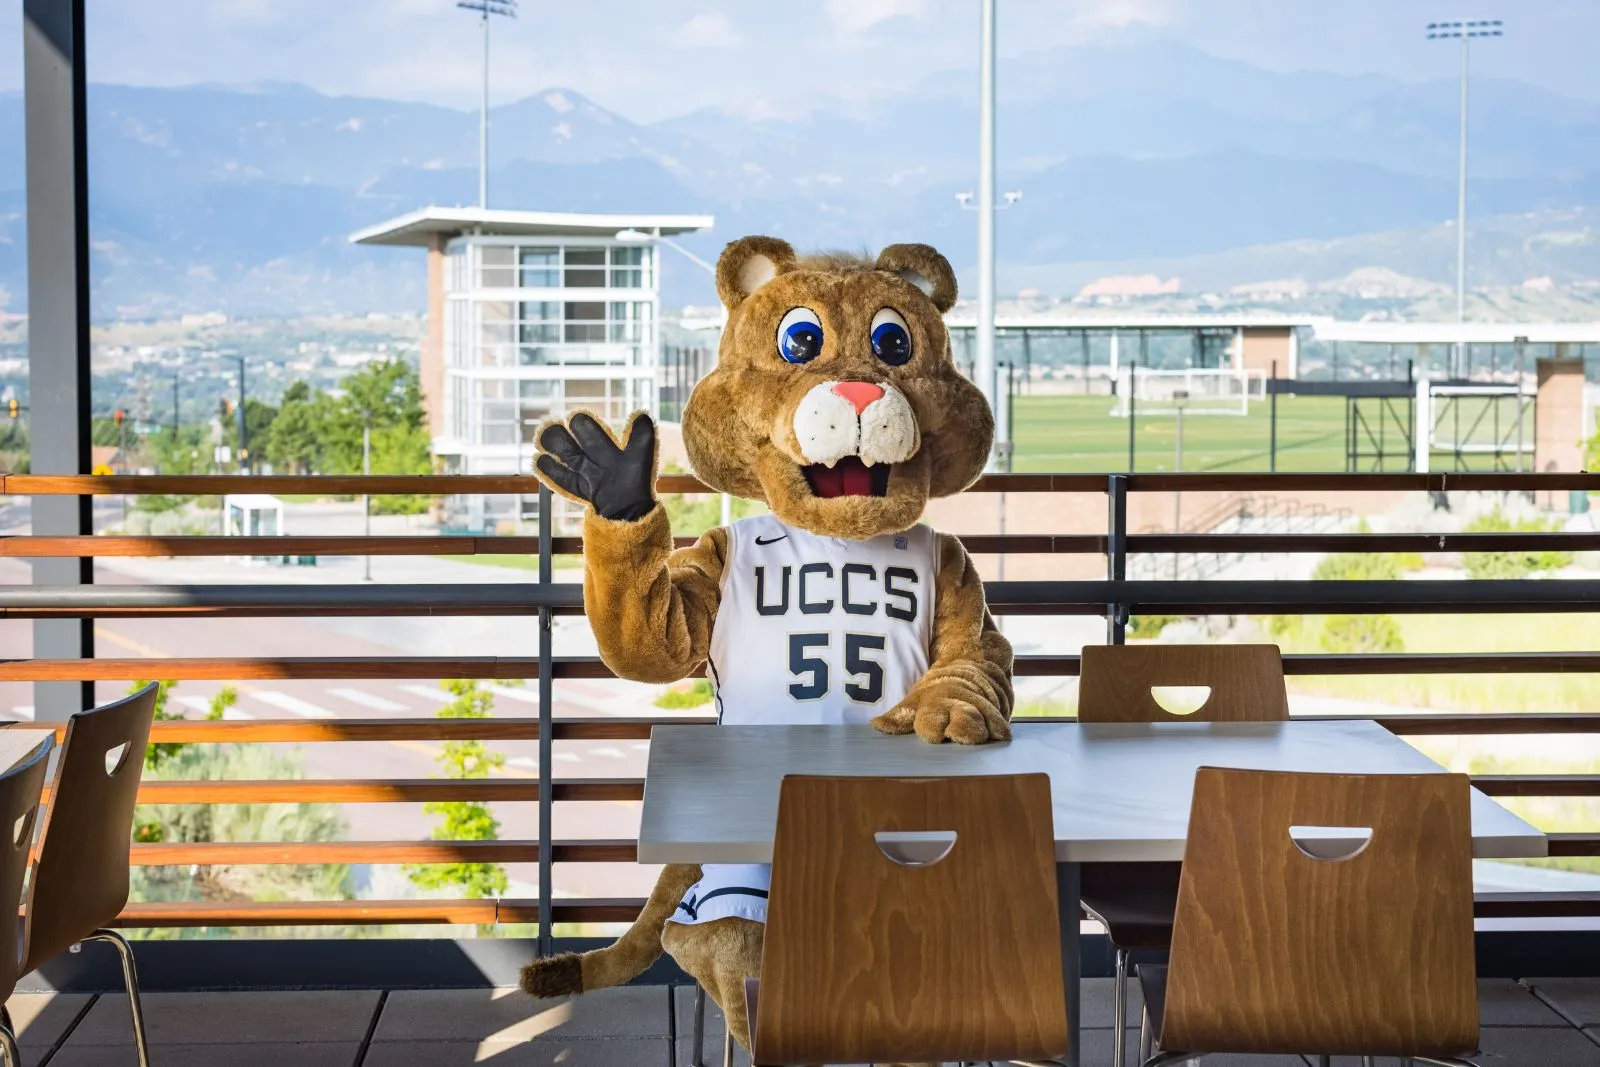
x: 20, y: 790
x: 1297, y: 932
x: 80, y: 880
x: 1127, y: 683
x: 911, y: 920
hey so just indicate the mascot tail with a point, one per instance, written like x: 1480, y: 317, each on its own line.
x: 638, y: 948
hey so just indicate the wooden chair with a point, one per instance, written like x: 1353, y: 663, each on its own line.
x: 911, y: 919
x: 1303, y: 897
x: 1130, y: 683
x: 80, y: 878
x: 20, y: 790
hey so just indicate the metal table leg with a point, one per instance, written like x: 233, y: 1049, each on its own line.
x: 1069, y: 878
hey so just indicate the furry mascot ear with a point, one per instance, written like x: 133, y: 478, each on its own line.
x: 749, y: 263
x: 925, y: 268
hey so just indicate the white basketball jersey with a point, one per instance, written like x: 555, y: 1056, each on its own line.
x: 810, y: 630
x: 820, y: 629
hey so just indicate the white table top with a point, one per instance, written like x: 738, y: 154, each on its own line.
x: 1121, y: 792
x: 15, y: 744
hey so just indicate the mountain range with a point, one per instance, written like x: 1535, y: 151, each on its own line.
x: 241, y: 197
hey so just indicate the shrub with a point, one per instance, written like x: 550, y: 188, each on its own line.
x: 1357, y: 567
x: 1512, y: 564
x: 1361, y: 633
x: 1149, y: 627
x: 696, y: 694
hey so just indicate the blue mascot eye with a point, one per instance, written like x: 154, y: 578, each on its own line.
x: 891, y: 340
x: 800, y: 336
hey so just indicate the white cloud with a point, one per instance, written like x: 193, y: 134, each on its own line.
x: 709, y: 29
x: 853, y: 17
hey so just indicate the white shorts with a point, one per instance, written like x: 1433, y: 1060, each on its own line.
x: 726, y: 890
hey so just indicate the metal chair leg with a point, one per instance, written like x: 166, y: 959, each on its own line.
x: 1119, y: 1012
x: 727, y: 1044
x: 1324, y: 1061
x: 699, y: 1059
x: 1147, y: 1041
x: 130, y: 978
x: 8, y: 1046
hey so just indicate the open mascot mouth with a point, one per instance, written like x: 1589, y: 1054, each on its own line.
x: 848, y: 477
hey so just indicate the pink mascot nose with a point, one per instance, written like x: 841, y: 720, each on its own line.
x: 860, y: 394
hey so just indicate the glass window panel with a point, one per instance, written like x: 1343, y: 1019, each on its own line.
x: 541, y: 267
x: 583, y: 278
x: 624, y: 257
x: 498, y: 268
x: 586, y: 257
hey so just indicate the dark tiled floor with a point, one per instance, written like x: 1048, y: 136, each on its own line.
x: 1533, y: 1023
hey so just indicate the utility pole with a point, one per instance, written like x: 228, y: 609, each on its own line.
x: 174, y: 409
x: 1465, y: 30
x: 485, y: 8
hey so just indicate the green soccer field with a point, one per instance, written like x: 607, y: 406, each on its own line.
x: 1065, y: 434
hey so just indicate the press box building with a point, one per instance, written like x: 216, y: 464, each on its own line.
x: 530, y: 314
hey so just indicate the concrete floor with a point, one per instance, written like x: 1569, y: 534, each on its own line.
x: 1533, y: 1023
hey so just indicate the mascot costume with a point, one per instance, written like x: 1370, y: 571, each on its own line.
x: 835, y: 402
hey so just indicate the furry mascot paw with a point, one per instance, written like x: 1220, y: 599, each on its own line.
x: 937, y: 719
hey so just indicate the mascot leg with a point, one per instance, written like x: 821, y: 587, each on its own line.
x: 720, y: 955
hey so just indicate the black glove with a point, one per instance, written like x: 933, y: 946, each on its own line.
x: 583, y: 460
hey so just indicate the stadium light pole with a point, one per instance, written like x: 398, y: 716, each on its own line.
x: 485, y: 8
x: 985, y: 372
x: 1463, y: 30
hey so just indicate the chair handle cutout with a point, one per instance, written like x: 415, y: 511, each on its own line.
x: 22, y: 831
x: 915, y: 848
x: 115, y: 757
x: 1180, y: 699
x: 1331, y: 843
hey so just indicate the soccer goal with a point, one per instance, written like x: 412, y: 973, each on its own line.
x: 1198, y: 391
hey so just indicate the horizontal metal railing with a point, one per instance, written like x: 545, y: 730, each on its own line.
x: 1113, y: 597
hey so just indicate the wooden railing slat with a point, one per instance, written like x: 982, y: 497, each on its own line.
x: 381, y: 790
x: 229, y: 853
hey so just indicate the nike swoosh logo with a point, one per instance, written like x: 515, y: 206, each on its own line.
x: 771, y: 540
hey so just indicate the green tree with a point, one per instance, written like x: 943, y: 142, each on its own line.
x: 189, y: 453
x: 258, y: 419
x: 463, y: 820
x: 296, y: 442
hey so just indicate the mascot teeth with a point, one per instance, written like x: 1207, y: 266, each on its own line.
x: 840, y: 419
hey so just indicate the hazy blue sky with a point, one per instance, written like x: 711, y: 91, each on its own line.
x: 651, y: 59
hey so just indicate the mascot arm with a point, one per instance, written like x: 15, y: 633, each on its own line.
x: 966, y: 696
x: 652, y: 608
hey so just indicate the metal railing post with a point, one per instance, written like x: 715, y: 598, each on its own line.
x: 1117, y: 555
x: 1272, y: 418
x: 546, y: 730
